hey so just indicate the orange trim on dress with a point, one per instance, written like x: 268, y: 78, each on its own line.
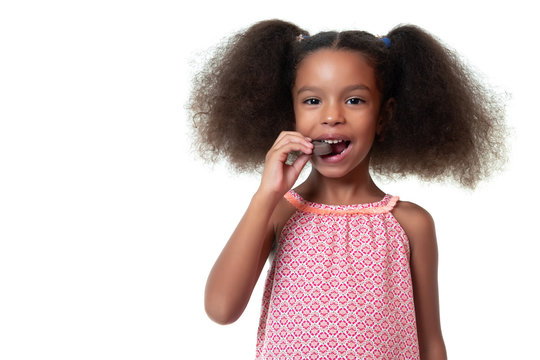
x: 380, y: 207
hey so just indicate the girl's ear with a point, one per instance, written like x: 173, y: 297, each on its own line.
x: 385, y: 115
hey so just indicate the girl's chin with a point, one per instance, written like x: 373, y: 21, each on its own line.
x: 334, y: 172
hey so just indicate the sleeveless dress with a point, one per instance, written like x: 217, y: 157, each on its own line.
x: 339, y: 286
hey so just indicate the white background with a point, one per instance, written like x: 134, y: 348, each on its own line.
x: 109, y: 224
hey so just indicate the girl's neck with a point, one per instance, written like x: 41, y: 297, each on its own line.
x: 347, y: 190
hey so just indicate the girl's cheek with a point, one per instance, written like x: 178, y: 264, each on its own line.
x: 302, y: 128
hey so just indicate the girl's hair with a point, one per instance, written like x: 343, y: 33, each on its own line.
x: 440, y: 122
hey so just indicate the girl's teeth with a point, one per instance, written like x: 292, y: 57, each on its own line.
x: 332, y: 141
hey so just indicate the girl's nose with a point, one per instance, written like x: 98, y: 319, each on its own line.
x: 333, y: 117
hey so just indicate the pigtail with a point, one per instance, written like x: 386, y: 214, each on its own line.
x: 241, y: 100
x: 443, y: 123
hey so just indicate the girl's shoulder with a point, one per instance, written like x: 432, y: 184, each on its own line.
x: 416, y: 221
x: 283, y: 211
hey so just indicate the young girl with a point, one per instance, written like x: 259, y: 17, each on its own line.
x: 353, y: 270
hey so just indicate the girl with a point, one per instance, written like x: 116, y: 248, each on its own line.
x: 353, y: 270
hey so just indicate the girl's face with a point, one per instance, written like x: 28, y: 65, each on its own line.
x: 336, y: 99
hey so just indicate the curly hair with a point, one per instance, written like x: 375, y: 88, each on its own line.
x: 443, y: 123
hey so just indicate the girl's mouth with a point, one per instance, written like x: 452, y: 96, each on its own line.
x: 334, y: 147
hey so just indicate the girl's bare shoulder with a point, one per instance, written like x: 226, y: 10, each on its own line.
x: 415, y: 220
x: 283, y: 211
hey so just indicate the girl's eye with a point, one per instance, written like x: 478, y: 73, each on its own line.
x: 312, y: 101
x: 355, y: 101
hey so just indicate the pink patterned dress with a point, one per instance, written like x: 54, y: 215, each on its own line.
x: 339, y: 286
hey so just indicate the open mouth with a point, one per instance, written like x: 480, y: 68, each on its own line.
x: 332, y: 147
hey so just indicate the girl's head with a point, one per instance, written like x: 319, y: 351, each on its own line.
x: 433, y: 118
x: 336, y: 98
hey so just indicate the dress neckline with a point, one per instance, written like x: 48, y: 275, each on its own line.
x: 386, y: 204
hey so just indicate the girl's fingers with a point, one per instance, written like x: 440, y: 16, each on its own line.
x: 300, y: 162
x: 289, y: 142
x: 279, y: 175
x: 290, y: 133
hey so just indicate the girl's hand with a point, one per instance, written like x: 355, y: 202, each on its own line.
x: 279, y: 177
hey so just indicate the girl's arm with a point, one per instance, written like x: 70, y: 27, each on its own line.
x: 420, y: 229
x: 237, y: 269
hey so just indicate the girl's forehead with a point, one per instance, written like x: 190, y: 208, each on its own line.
x: 337, y: 55
x: 330, y: 65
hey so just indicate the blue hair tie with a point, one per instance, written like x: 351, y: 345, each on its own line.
x: 386, y: 41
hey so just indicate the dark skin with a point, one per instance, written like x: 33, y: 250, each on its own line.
x: 335, y: 97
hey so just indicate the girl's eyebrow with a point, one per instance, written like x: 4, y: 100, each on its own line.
x: 357, y: 87
x: 347, y: 89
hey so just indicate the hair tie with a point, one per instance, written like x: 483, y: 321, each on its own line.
x: 301, y: 37
x: 386, y: 41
